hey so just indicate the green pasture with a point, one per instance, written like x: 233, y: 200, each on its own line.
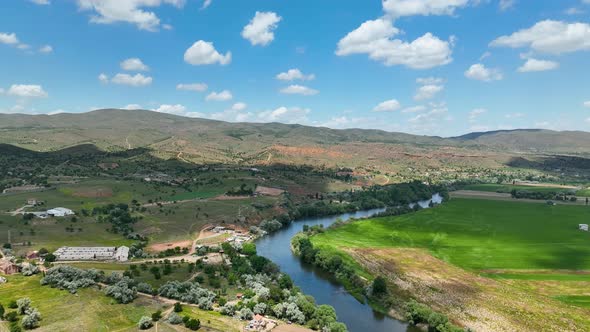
x: 88, y: 310
x: 507, y: 188
x: 480, y: 234
x: 575, y: 300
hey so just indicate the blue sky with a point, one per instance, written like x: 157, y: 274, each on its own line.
x: 433, y: 67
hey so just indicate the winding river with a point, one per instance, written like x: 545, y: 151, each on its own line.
x: 357, y: 316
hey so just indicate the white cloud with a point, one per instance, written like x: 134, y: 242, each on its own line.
x: 232, y: 115
x: 506, y: 4
x: 285, y: 114
x: 136, y: 80
x: 485, y: 55
x: 426, y: 120
x: 387, y: 106
x: 46, y: 49
x: 481, y: 73
x: 132, y: 107
x: 473, y: 115
x: 514, y: 115
x: 430, y: 80
x: 204, y: 53
x: 103, y: 78
x: 532, y: 65
x: 260, y: 30
x: 171, y: 109
x: 134, y: 64
x: 428, y: 91
x: 375, y: 38
x: 587, y: 104
x: 206, y: 4
x: 295, y: 74
x: 414, y: 109
x: 41, y: 2
x: 554, y: 37
x: 239, y: 106
x: 299, y: 90
x: 8, y: 38
x: 23, y: 46
x: 128, y: 11
x: 27, y: 91
x: 197, y: 87
x: 224, y: 95
x: 399, y: 8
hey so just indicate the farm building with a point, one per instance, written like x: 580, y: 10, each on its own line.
x: 60, y: 212
x: 92, y: 253
x: 7, y: 267
x: 583, y: 227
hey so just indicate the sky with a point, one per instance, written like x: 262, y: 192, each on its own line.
x: 428, y: 67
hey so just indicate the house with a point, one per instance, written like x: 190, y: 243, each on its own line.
x: 7, y: 267
x: 583, y: 227
x: 32, y: 201
x: 60, y: 212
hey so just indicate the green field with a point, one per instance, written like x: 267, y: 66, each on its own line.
x: 576, y: 300
x: 507, y: 188
x: 583, y: 192
x: 480, y: 234
x: 62, y: 311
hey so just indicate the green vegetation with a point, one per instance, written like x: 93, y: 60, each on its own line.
x: 576, y: 300
x: 507, y: 188
x: 479, y: 234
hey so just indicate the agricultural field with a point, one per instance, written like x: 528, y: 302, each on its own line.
x: 489, y: 265
x: 507, y: 188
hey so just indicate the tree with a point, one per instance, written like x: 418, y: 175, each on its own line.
x: 145, y: 323
x: 174, y: 319
x: 177, y: 307
x: 379, y: 286
x: 50, y: 258
x: 23, y: 305
x: 156, y: 316
x: 249, y: 249
x: 193, y: 324
x: 31, y: 319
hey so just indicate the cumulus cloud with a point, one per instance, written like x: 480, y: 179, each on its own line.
x: 204, y: 53
x: 239, y: 106
x: 388, y: 106
x: 427, y: 119
x: 430, y: 80
x: 103, y: 78
x: 299, y: 90
x: 428, y: 91
x: 134, y: 64
x: 481, y: 73
x: 532, y: 65
x: 136, y: 80
x: 8, y: 38
x: 177, y: 109
x: 553, y: 37
x: 224, y: 95
x: 375, y: 38
x: 27, y: 91
x: 127, y: 11
x: 197, y: 87
x: 260, y: 30
x: 295, y: 74
x: 399, y: 8
x: 285, y: 114
x: 41, y: 2
x: 46, y: 49
x: 587, y: 104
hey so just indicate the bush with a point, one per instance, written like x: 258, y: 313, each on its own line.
x: 2, y: 311
x: 156, y: 316
x: 11, y: 316
x: 12, y: 304
x: 123, y: 291
x: 23, y: 305
x: 177, y: 307
x: 193, y: 324
x: 379, y: 286
x: 31, y: 319
x: 174, y: 319
x: 29, y: 269
x: 145, y: 323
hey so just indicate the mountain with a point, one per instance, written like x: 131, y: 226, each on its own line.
x: 210, y: 141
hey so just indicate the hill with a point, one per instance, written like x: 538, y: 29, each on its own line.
x: 208, y: 141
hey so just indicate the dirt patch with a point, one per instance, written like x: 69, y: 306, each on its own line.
x: 229, y: 198
x: 157, y: 247
x: 96, y: 192
x: 479, y: 303
x: 290, y: 328
x: 268, y: 191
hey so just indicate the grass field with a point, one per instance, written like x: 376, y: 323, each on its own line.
x: 490, y: 265
x: 507, y: 188
x: 480, y: 234
x: 89, y: 310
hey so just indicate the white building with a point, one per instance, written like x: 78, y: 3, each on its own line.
x: 583, y: 227
x: 92, y: 253
x: 60, y: 212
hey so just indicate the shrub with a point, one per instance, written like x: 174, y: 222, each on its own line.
x: 193, y: 324
x: 174, y: 319
x: 23, y: 305
x: 156, y: 316
x: 177, y: 307
x: 11, y: 316
x: 379, y: 286
x: 31, y: 319
x: 145, y: 323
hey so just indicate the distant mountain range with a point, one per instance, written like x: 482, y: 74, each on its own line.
x: 204, y: 141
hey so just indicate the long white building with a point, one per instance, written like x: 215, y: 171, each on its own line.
x: 120, y: 254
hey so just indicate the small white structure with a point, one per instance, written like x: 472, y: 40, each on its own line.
x: 3, y: 280
x: 120, y: 254
x: 583, y: 227
x: 60, y: 212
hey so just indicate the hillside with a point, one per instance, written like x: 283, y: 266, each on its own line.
x: 208, y: 141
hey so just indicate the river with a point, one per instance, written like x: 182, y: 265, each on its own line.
x: 357, y: 316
